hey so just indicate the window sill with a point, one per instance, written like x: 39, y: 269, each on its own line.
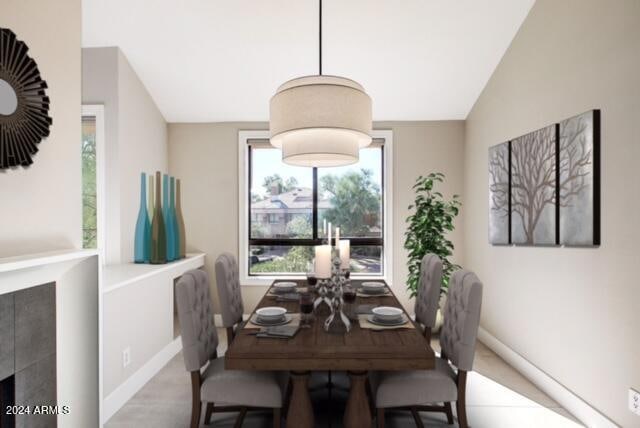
x: 265, y: 281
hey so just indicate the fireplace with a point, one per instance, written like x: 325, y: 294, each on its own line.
x: 28, y: 356
x: 7, y: 399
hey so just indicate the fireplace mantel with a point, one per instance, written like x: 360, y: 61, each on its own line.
x: 75, y: 274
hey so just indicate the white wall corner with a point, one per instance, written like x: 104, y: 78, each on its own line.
x: 570, y: 401
x: 118, y: 398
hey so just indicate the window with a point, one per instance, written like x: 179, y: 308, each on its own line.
x: 92, y: 159
x: 287, y: 206
x: 89, y: 188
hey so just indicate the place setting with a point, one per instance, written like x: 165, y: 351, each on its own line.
x: 274, y: 322
x: 373, y: 289
x: 285, y: 291
x: 385, y: 318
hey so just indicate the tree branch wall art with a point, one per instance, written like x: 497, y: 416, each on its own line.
x: 580, y: 180
x: 544, y: 187
x: 499, y: 201
x: 533, y: 188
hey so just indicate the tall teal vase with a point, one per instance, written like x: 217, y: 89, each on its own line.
x: 169, y: 219
x: 141, y: 251
x: 174, y: 217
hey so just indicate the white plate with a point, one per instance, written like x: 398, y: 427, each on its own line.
x: 387, y: 313
x: 374, y: 291
x: 402, y: 321
x: 284, y: 287
x: 370, y: 284
x: 287, y: 319
x: 271, y: 313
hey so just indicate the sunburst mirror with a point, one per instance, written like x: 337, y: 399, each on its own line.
x: 24, y: 104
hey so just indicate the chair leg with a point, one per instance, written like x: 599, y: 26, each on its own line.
x: 208, y: 413
x: 462, y: 415
x: 372, y: 404
x: 196, y: 405
x: 448, y: 412
x: 461, y: 405
x: 287, y: 399
x: 380, y: 418
x: 416, y: 417
x: 195, y: 415
x: 230, y: 335
x: 277, y: 417
x: 240, y: 418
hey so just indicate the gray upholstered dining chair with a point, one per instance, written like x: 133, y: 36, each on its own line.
x: 237, y: 391
x: 426, y: 306
x: 422, y: 390
x: 229, y: 292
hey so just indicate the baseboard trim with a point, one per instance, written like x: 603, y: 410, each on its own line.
x: 567, y: 399
x: 135, y: 382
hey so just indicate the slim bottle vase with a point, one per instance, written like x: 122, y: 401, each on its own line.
x: 158, y: 232
x: 168, y: 220
x: 150, y: 205
x: 180, y: 220
x: 143, y: 228
x: 174, y: 219
x: 150, y: 194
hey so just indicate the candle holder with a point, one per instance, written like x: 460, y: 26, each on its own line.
x: 322, y: 304
x: 337, y: 322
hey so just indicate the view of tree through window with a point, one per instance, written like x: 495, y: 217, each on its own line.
x: 89, y: 213
x: 285, y: 199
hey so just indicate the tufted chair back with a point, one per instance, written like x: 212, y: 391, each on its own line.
x: 461, y: 318
x: 228, y: 279
x: 428, y: 295
x: 195, y: 312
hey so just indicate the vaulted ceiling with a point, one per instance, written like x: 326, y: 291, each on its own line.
x: 222, y: 60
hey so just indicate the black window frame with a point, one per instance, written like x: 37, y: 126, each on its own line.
x: 315, y: 239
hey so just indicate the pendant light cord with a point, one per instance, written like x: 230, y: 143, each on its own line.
x: 320, y: 39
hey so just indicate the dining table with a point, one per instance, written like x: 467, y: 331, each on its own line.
x: 356, y: 352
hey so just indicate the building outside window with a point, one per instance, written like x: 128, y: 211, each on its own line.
x: 288, y: 206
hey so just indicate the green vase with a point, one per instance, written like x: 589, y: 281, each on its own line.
x: 158, y: 234
x: 180, y: 221
x: 150, y: 193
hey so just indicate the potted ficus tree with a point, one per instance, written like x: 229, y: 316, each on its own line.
x: 427, y: 230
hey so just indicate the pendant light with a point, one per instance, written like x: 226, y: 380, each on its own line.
x: 320, y: 121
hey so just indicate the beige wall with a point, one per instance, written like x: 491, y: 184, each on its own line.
x: 100, y: 86
x: 143, y: 147
x: 571, y: 312
x: 205, y: 157
x: 41, y: 204
x: 136, y: 141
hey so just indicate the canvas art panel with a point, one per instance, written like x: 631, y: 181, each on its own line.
x: 499, y: 219
x: 579, y: 185
x: 533, y: 188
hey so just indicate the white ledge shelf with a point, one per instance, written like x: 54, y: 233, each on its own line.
x: 121, y: 275
x: 9, y: 264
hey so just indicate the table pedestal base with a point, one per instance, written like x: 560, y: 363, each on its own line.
x: 300, y: 414
x: 357, y: 414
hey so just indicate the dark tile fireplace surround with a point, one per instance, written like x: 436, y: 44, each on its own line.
x: 28, y: 355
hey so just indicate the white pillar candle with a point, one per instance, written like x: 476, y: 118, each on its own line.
x: 345, y: 253
x: 323, y: 261
x: 337, y: 236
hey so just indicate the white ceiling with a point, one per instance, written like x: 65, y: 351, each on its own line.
x: 222, y: 60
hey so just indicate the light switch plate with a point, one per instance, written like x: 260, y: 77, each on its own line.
x: 634, y: 401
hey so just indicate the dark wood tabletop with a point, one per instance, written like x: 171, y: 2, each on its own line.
x: 314, y: 349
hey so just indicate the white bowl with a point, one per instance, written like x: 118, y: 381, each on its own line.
x: 373, y: 286
x: 283, y: 287
x: 271, y: 313
x: 387, y: 313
